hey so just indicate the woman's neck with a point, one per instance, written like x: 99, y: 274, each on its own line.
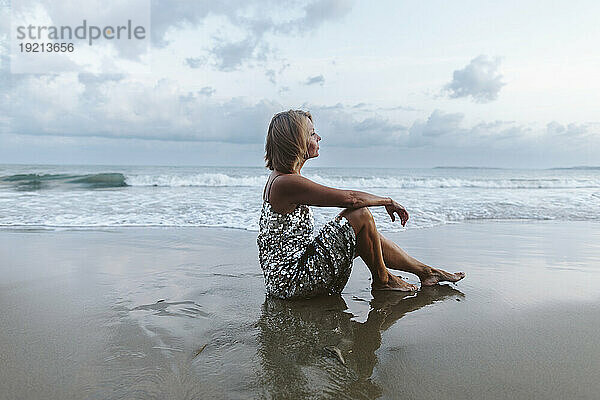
x: 297, y: 172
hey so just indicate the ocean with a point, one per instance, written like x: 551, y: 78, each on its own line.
x: 57, y: 197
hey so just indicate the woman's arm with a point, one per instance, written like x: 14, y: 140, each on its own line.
x: 296, y: 189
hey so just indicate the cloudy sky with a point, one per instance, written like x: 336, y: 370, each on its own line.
x: 389, y: 84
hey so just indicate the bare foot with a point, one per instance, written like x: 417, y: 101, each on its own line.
x: 436, y: 276
x: 394, y: 283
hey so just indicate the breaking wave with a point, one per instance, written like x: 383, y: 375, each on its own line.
x: 45, y: 181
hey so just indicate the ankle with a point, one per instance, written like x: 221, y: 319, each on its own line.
x: 426, y: 272
x: 381, y: 277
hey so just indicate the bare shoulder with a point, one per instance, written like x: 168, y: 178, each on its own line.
x: 291, y: 182
x: 281, y: 186
x: 284, y: 183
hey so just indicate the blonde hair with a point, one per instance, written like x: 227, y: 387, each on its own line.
x: 287, y: 140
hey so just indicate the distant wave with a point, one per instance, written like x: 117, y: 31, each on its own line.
x: 44, y: 181
x: 581, y: 168
x: 450, y: 167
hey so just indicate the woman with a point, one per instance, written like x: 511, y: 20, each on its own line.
x: 296, y: 265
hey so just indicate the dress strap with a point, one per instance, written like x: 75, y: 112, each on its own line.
x: 269, y: 185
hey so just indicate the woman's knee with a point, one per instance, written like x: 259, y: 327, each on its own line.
x: 360, y: 215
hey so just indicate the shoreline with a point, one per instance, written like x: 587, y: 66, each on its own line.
x: 83, y: 228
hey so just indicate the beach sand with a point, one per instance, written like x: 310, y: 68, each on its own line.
x: 180, y: 313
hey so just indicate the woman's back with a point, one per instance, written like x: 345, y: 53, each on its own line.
x: 282, y: 239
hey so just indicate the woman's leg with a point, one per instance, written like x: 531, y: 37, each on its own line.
x: 368, y: 247
x: 382, y: 253
x: 396, y: 258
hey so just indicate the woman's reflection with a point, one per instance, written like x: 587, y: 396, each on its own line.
x: 293, y: 334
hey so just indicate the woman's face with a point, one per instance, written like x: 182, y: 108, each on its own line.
x: 313, y: 141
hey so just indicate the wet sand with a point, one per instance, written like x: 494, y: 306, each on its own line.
x: 180, y: 313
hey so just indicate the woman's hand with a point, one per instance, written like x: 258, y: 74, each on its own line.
x: 398, y: 209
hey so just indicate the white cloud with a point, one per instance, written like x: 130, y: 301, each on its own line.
x: 339, y: 125
x: 119, y: 107
x: 251, y: 21
x: 207, y: 91
x: 109, y: 106
x: 315, y: 80
x: 570, y: 130
x: 229, y: 56
x: 195, y: 62
x: 437, y: 124
x: 270, y: 74
x: 448, y: 131
x: 319, y: 12
x: 480, y: 80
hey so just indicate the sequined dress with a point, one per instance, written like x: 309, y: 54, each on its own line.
x: 297, y: 265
